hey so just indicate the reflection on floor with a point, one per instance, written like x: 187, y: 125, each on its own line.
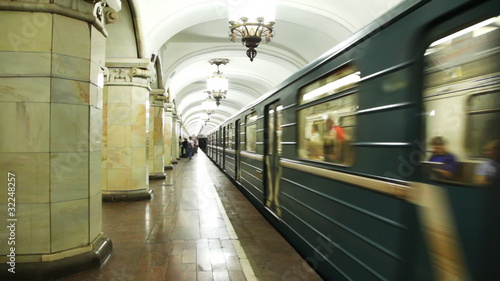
x: 198, y: 226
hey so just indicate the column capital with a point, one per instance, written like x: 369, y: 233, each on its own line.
x: 157, y: 100
x: 157, y: 97
x: 169, y: 106
x: 127, y: 62
x: 128, y: 72
x: 158, y: 92
x: 95, y: 12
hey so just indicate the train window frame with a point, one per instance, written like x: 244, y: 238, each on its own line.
x: 333, y: 98
x: 456, y: 72
x: 224, y: 137
x: 230, y: 134
x: 251, y: 131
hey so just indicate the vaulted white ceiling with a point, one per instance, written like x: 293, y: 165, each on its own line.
x: 187, y: 34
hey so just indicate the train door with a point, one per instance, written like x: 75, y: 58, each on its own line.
x: 223, y: 150
x: 217, y: 143
x: 237, y: 150
x: 461, y: 113
x: 272, y: 158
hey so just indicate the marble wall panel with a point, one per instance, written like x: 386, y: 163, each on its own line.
x: 119, y: 157
x: 71, y: 37
x: 95, y: 172
x: 140, y: 178
x: 151, y: 148
x: 98, y: 46
x: 140, y: 114
x: 25, y: 64
x: 96, y: 74
x: 118, y: 135
x: 32, y: 229
x: 104, y: 124
x: 70, y: 67
x: 4, y: 232
x: 26, y: 127
x: 118, y: 94
x: 96, y: 96
x: 139, y: 135
x: 69, y: 176
x: 104, y: 168
x: 158, y: 162
x: 70, y: 91
x: 167, y: 156
x: 140, y: 95
x: 158, y: 137
x: 119, y: 114
x: 69, y: 224
x: 32, y: 172
x: 79, y: 5
x: 119, y: 179
x: 35, y: 1
x: 24, y: 89
x: 139, y: 156
x: 27, y: 31
x: 167, y: 140
x: 150, y: 136
x: 69, y: 129
x: 95, y: 214
x: 95, y: 129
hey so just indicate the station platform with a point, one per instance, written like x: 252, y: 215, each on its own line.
x: 198, y: 226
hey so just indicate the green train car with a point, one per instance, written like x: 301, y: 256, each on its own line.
x: 377, y: 160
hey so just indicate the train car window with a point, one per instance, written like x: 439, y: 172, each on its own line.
x: 342, y: 79
x: 224, y: 137
x: 279, y: 130
x: 251, y: 132
x: 462, y: 104
x: 230, y: 133
x: 327, y: 129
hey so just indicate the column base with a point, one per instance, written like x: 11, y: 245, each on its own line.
x: 157, y: 176
x: 168, y: 167
x: 127, y: 195
x: 55, y: 269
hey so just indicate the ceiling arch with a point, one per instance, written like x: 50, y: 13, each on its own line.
x: 187, y: 34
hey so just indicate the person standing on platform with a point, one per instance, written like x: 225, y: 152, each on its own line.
x: 184, y: 152
x: 195, y: 147
x: 190, y: 147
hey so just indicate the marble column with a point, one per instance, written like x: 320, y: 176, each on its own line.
x: 51, y: 75
x: 125, y: 131
x: 176, y: 148
x: 156, y: 134
x: 169, y: 137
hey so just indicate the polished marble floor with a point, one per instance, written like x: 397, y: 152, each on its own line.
x: 198, y: 226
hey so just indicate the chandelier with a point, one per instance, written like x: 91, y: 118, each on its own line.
x: 252, y: 21
x: 217, y: 84
x: 209, y: 106
x: 204, y: 118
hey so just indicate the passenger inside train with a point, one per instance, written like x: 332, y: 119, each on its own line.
x: 461, y: 100
x: 488, y: 170
x: 334, y: 119
x: 447, y: 162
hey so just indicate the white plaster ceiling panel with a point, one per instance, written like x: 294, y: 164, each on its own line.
x: 187, y: 34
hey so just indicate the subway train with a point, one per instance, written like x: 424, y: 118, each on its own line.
x: 377, y: 160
